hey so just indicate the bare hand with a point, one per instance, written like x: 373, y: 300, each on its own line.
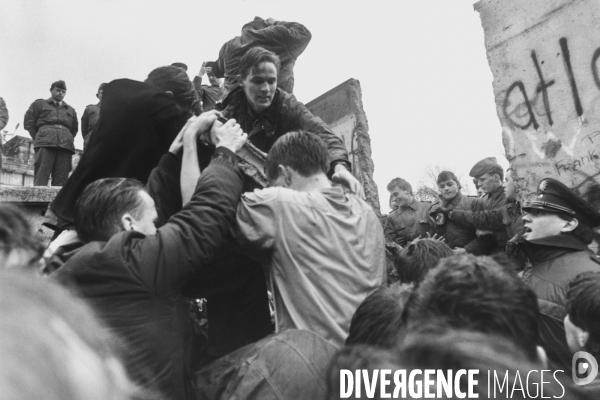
x: 436, y: 237
x: 199, y: 125
x: 202, y: 69
x: 177, y: 144
x: 228, y: 135
x: 459, y: 250
x: 271, y: 21
x: 343, y: 176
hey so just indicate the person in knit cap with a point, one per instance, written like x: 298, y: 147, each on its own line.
x: 52, y: 124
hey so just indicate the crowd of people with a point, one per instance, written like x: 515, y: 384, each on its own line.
x: 175, y: 275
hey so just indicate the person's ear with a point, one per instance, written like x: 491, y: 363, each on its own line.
x: 285, y: 173
x: 127, y: 222
x: 570, y: 225
x: 542, y: 356
x: 240, y: 80
x: 582, y: 337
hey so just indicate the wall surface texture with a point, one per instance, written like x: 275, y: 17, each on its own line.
x: 545, y: 59
x: 342, y: 109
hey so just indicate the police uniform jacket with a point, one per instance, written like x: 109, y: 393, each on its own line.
x: 51, y: 125
x: 553, y: 262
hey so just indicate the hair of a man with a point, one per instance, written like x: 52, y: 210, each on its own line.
x: 252, y: 59
x: 477, y: 293
x: 304, y: 152
x: 53, y: 347
x: 419, y: 258
x: 583, y: 307
x: 400, y: 184
x: 99, y: 208
x: 176, y: 81
x: 445, y: 176
x: 437, y: 347
x: 582, y: 231
x: 16, y: 233
x: 378, y: 319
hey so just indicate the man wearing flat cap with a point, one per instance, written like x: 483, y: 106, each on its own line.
x: 89, y: 120
x: 52, y: 124
x: 489, y: 176
x: 558, y: 227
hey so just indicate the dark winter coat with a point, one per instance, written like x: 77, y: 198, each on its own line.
x: 138, y: 124
x: 134, y: 281
x: 553, y: 263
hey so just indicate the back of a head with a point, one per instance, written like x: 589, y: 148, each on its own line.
x: 378, y: 319
x: 302, y: 151
x: 583, y: 307
x: 477, y: 293
x: 99, y: 208
x: 436, y: 347
x: 52, y: 347
x: 419, y: 257
x: 175, y: 80
x: 19, y: 248
x: 251, y: 60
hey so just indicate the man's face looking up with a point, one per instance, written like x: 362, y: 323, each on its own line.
x: 57, y: 94
x: 489, y: 182
x: 401, y: 198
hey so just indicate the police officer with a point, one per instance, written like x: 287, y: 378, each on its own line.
x: 52, y: 124
x: 558, y: 227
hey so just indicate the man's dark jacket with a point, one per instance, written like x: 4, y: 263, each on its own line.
x: 554, y: 262
x: 137, y: 125
x: 134, y: 281
x: 286, y: 39
x: 496, y: 242
x: 455, y: 235
x: 50, y: 125
x: 285, y: 114
x: 507, y: 218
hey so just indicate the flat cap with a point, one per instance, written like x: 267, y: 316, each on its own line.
x: 59, y: 84
x: 483, y: 167
x: 554, y: 196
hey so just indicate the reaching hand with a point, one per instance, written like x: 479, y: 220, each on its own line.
x: 343, y: 176
x: 177, y: 144
x: 199, y: 125
x: 228, y: 135
x: 202, y: 69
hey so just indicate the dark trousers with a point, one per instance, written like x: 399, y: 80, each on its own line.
x: 51, y: 161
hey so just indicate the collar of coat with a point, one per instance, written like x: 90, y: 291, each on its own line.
x: 494, y: 194
x: 539, y: 250
x: 52, y: 102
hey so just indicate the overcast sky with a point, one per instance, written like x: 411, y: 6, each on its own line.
x: 426, y: 83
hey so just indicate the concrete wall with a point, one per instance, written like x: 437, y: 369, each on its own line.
x: 18, y: 156
x: 545, y: 59
x: 341, y: 108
